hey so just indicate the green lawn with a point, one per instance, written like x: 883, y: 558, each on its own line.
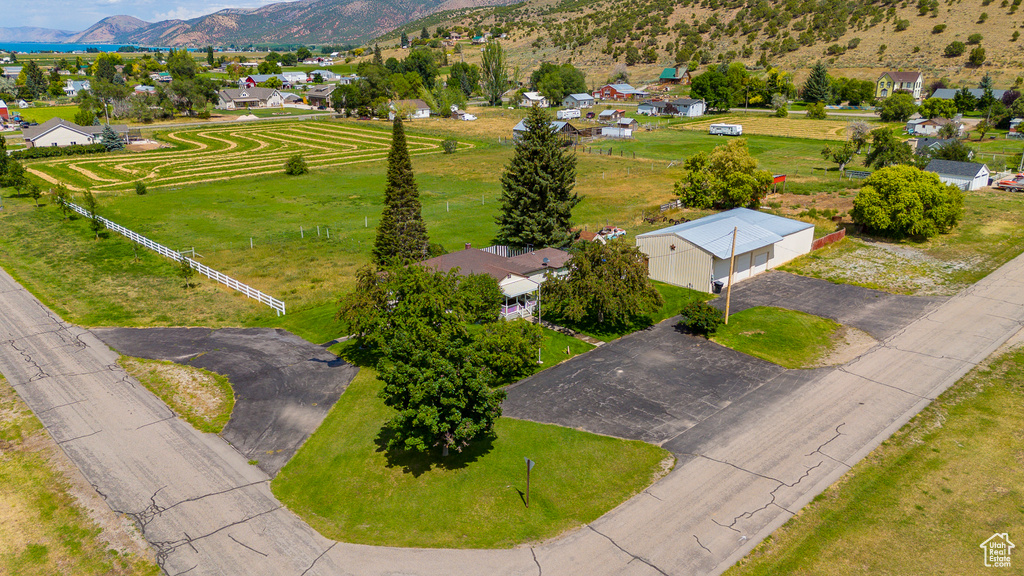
x: 349, y: 489
x: 44, y: 530
x: 788, y: 338
x: 44, y: 113
x: 923, y: 501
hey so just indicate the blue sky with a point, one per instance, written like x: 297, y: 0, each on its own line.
x: 78, y: 15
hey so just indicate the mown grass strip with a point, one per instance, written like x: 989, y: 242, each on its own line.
x: 202, y: 398
x: 789, y: 338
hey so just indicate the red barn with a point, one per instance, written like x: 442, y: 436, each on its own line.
x: 3, y: 111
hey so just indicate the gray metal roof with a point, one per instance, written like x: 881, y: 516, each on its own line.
x: 949, y: 93
x: 951, y: 168
x: 579, y: 97
x: 714, y: 233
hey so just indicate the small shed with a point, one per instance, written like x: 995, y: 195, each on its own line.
x: 567, y: 132
x: 696, y: 254
x: 963, y: 175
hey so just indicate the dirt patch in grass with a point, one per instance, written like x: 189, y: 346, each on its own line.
x: 202, y: 398
x: 847, y: 344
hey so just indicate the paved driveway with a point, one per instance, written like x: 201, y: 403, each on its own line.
x: 284, y: 386
x: 878, y: 313
x: 656, y: 384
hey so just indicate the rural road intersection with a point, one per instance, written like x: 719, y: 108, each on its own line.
x: 742, y: 471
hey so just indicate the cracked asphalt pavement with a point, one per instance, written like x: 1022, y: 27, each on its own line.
x: 284, y: 386
x: 742, y: 471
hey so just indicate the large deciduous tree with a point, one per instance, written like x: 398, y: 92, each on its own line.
x: 713, y: 87
x: 903, y: 201
x: 726, y: 178
x: 401, y: 234
x: 494, y: 78
x: 897, y: 108
x: 605, y: 283
x: 938, y: 108
x: 887, y: 149
x: 537, y: 185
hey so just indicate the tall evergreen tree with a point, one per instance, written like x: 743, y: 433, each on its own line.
x: 537, y: 188
x: 110, y: 140
x: 818, y: 88
x: 401, y: 235
x: 378, y: 59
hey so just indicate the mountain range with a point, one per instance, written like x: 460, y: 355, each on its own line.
x: 300, y: 22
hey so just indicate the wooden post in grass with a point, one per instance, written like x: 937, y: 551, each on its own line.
x: 732, y: 263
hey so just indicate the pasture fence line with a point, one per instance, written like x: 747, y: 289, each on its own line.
x: 224, y: 279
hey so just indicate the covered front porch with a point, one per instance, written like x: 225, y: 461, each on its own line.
x: 521, y: 297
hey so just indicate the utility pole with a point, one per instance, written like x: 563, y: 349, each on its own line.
x: 732, y: 264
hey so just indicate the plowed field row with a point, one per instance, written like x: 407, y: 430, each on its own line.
x: 224, y: 152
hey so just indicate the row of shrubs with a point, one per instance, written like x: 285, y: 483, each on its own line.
x: 54, y: 151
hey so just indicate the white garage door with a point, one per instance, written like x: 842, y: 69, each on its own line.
x: 760, y: 263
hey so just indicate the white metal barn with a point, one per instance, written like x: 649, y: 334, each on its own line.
x: 963, y: 175
x: 696, y: 254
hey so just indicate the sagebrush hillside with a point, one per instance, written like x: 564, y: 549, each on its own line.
x: 643, y: 36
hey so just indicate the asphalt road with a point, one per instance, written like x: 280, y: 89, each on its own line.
x: 207, y: 512
x: 284, y: 386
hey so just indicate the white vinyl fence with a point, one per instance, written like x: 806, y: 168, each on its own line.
x: 174, y: 255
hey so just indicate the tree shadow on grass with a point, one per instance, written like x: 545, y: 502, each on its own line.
x: 355, y: 352
x: 418, y: 463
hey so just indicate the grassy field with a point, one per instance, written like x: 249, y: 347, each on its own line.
x: 227, y: 151
x: 43, y: 113
x: 923, y: 501
x: 991, y: 233
x: 202, y: 398
x: 771, y: 126
x: 789, y: 338
x: 356, y: 492
x: 44, y: 530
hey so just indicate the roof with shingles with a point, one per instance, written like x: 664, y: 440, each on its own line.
x: 905, y: 77
x: 953, y: 168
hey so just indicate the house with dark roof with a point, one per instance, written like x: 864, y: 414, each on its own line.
x: 519, y: 277
x: 963, y: 175
x: 891, y: 82
x: 923, y: 146
x: 655, y: 108
x: 689, y: 107
x: 696, y: 254
x: 567, y: 132
x: 244, y: 98
x: 318, y: 96
x: 60, y: 132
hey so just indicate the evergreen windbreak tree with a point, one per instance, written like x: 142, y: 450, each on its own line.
x: 537, y: 195
x: 401, y: 235
x: 818, y: 88
x: 110, y: 140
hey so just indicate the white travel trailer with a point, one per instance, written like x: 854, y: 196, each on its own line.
x: 568, y: 114
x: 725, y: 130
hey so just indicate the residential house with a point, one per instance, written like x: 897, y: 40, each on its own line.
x: 655, y: 108
x: 253, y: 97
x: 60, y: 132
x: 320, y: 96
x: 950, y: 93
x: 963, y: 175
x: 578, y: 101
x: 696, y: 254
x: 931, y: 126
x: 519, y: 277
x: 350, y: 79
x: 73, y: 87
x: 295, y: 77
x: 143, y: 89
x: 923, y: 146
x: 253, y: 80
x: 891, y: 82
x: 413, y: 109
x: 619, y: 92
x: 12, y: 72
x: 160, y: 77
x: 325, y: 75
x: 533, y: 99
x: 479, y: 39
x: 290, y: 98
x: 689, y: 108
x: 676, y: 75
x: 610, y: 115
x: 567, y: 132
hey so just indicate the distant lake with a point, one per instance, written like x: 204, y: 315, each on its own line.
x: 21, y: 47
